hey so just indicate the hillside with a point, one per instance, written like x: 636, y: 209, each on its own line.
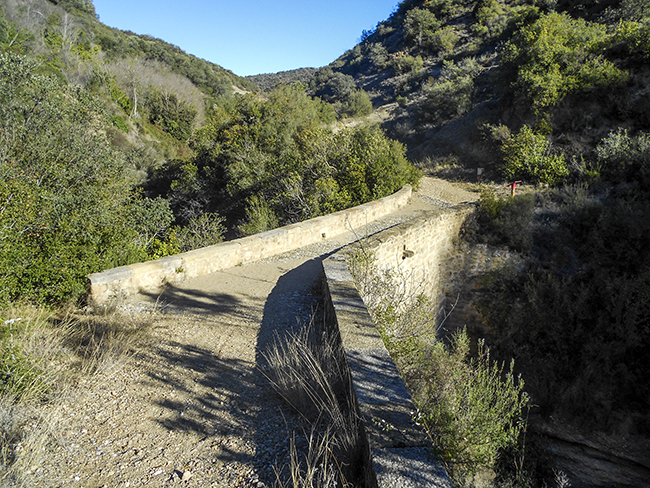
x: 557, y: 95
x: 455, y: 66
x: 266, y: 82
x: 130, y: 72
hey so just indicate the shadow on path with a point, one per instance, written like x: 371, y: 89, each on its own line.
x: 289, y: 307
x: 194, y: 300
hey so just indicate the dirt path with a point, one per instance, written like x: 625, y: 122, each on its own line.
x: 192, y: 407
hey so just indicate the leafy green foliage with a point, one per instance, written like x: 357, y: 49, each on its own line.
x: 473, y: 408
x: 407, y: 64
x: 341, y: 91
x: 70, y: 5
x: 452, y: 94
x: 171, y: 114
x: 65, y: 199
x: 526, y: 156
x: 421, y: 25
x: 625, y: 158
x: 558, y: 55
x: 263, y: 163
x: 636, y: 35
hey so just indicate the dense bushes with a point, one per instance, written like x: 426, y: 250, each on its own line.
x: 264, y: 163
x: 452, y: 94
x: 473, y: 407
x: 66, y: 204
x: 526, y: 156
x: 558, y: 55
x: 576, y: 317
x: 341, y: 92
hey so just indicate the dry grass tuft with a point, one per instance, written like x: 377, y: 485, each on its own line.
x: 42, y: 357
x: 309, y: 371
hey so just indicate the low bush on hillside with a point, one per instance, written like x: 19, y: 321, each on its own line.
x: 527, y: 156
x: 558, y: 55
x: 340, y: 90
x: 451, y: 94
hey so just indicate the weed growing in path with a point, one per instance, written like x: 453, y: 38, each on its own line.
x: 308, y: 370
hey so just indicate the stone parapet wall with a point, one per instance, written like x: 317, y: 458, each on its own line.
x: 152, y: 276
x: 420, y: 251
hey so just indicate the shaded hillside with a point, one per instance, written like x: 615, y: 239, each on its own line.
x: 557, y: 95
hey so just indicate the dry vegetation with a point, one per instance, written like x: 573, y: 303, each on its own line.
x: 45, y: 358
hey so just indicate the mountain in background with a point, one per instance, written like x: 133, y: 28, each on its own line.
x: 441, y: 73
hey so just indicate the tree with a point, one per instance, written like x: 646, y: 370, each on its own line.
x: 527, y: 156
x: 421, y: 26
x: 263, y: 163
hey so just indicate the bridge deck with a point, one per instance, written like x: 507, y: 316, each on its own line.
x: 193, y: 404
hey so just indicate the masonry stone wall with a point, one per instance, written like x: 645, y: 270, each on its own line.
x: 152, y: 276
x: 419, y: 252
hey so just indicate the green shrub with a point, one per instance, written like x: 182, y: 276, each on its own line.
x: 202, y: 231
x: 506, y: 220
x: 526, y: 156
x: 174, y: 116
x: 408, y: 64
x: 358, y: 104
x: 557, y: 56
x: 473, y: 408
x: 65, y: 196
x: 421, y: 25
x: 119, y: 122
x: 452, y: 94
x: 625, y: 158
x: 636, y: 35
x: 444, y: 40
x: 259, y: 217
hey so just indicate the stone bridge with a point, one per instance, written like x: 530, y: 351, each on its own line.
x: 254, y: 288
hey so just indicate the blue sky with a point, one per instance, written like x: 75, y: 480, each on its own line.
x: 251, y: 36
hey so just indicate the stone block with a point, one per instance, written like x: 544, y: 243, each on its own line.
x: 375, y: 377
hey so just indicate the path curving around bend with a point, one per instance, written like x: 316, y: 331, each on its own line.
x: 192, y: 408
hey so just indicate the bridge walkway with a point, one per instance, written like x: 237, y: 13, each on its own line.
x: 193, y: 404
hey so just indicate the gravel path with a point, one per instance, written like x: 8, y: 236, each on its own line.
x: 192, y: 408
